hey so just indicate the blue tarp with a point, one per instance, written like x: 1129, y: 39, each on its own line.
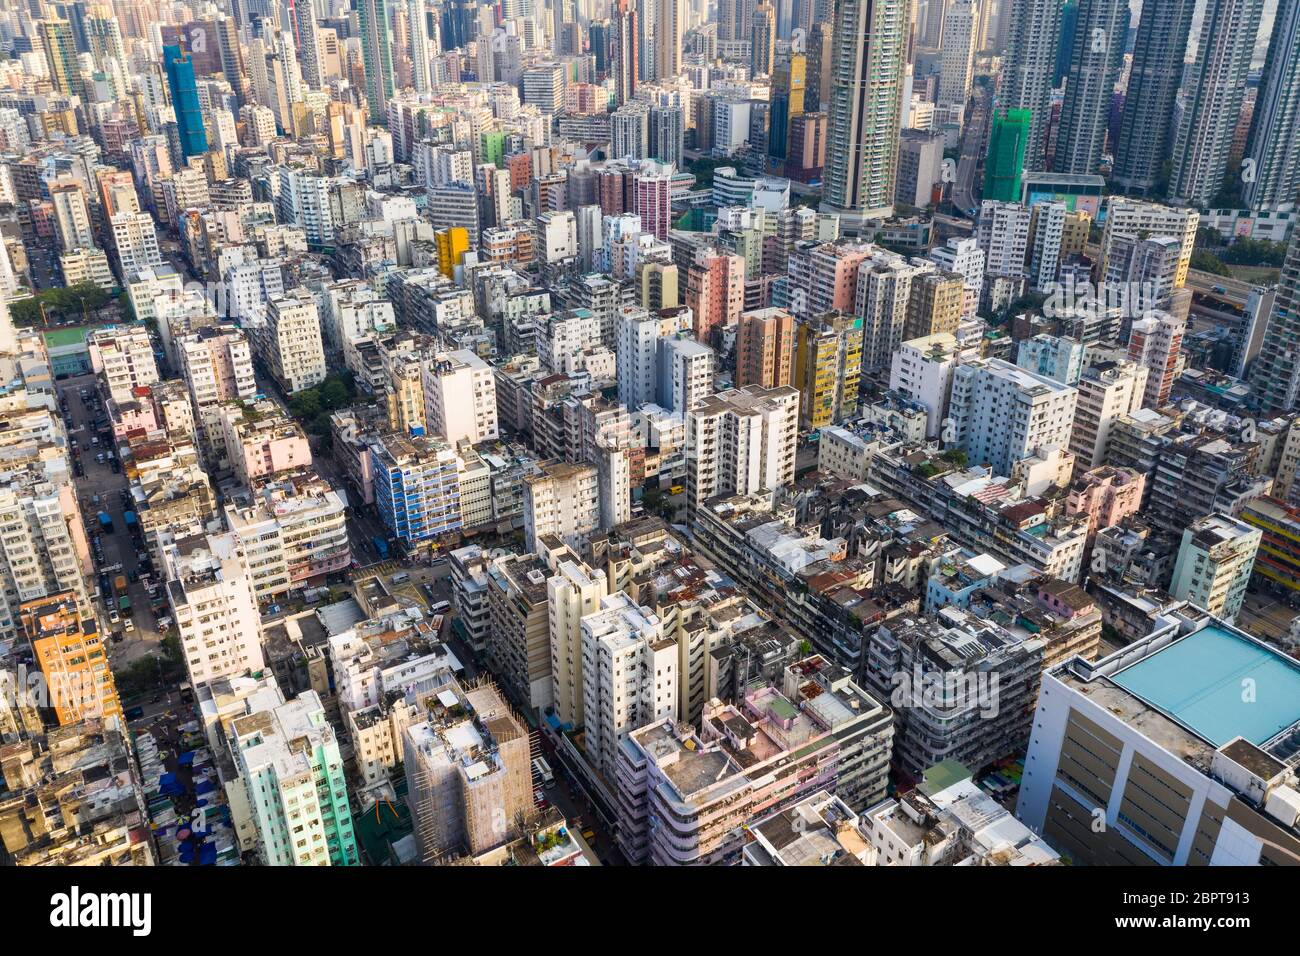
x: 186, y: 758
x: 207, y: 854
x: 205, y: 786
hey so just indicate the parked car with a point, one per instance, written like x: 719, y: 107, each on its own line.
x: 128, y: 624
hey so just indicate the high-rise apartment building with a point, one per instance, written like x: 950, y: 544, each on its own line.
x: 866, y: 100
x: 828, y: 368
x: 629, y: 677
x: 377, y: 56
x: 1033, y: 34
x: 1154, y: 343
x: 1107, y: 391
x: 1275, y: 374
x: 561, y: 500
x: 288, y: 760
x: 765, y: 348
x: 1214, y: 564
x: 1000, y: 414
x: 211, y: 598
x: 291, y: 343
x: 1097, y: 53
x: 741, y: 441
x: 1213, y: 90
x: 1147, y: 124
x: 1273, y: 149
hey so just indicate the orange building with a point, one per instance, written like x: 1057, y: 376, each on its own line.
x: 765, y: 348
x: 73, y: 660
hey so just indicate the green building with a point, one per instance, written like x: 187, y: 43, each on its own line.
x: 1006, y: 158
x: 494, y: 149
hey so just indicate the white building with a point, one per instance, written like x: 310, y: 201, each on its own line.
x: 629, y: 676
x: 922, y: 371
x: 211, y: 597
x: 573, y: 591
x: 1003, y: 234
x: 291, y: 341
x: 1106, y: 391
x: 563, y: 500
x: 291, y: 529
x: 999, y: 413
x: 460, y: 397
x: 1214, y: 564
x: 123, y: 355
x: 741, y: 441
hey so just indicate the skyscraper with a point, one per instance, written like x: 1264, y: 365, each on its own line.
x: 61, y: 57
x: 957, y: 52
x: 1213, y: 92
x: 1006, y: 157
x: 788, y: 81
x: 870, y: 49
x: 669, y: 22
x: 1146, y: 128
x: 1033, y: 31
x: 377, y: 57
x: 304, y: 28
x: 625, y: 65
x: 1275, y: 376
x: 820, y: 46
x: 185, y: 101
x: 1095, y: 60
x: 418, y: 15
x: 762, y: 40
x: 1274, y: 146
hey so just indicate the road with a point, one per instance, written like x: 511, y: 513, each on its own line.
x: 1265, y: 616
x: 973, y: 140
x: 99, y: 489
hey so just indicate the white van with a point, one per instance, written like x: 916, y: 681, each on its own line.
x: 542, y: 770
x: 401, y: 577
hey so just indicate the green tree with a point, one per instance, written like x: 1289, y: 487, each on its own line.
x: 305, y: 404
x: 333, y: 394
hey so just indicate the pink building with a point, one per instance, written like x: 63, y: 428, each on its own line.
x: 652, y: 197
x: 715, y: 290
x: 138, y: 414
x: 1106, y: 495
x: 261, y: 442
x: 828, y: 275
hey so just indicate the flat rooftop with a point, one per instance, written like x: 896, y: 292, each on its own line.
x: 1219, y: 686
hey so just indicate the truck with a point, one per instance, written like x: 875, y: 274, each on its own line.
x: 542, y: 771
x: 132, y: 525
x: 106, y: 522
x: 124, y: 604
x: 119, y: 584
x: 381, y: 547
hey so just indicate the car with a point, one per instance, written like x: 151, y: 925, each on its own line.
x: 133, y: 576
x: 128, y: 624
x: 94, y: 440
x: 114, y: 617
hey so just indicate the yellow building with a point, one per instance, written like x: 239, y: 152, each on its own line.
x: 828, y: 367
x: 934, y: 304
x: 657, y: 283
x: 453, y: 243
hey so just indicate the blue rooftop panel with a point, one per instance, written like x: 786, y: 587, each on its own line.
x: 1220, y: 685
